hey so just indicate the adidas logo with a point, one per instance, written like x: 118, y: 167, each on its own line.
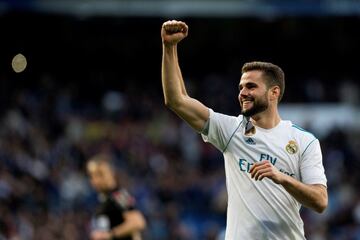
x: 250, y: 141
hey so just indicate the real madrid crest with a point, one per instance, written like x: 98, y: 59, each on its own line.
x: 292, y: 147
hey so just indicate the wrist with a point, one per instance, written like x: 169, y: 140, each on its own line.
x: 169, y: 45
x: 284, y: 179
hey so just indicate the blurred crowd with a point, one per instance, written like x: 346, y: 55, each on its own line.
x: 178, y: 181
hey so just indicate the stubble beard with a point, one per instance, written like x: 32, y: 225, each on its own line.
x: 259, y: 105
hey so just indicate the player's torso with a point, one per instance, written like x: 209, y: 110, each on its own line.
x: 111, y: 211
x: 279, y: 146
x: 262, y: 207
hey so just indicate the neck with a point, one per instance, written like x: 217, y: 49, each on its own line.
x: 267, y: 119
x: 112, y: 187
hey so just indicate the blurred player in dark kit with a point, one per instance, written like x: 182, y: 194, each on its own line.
x: 116, y: 216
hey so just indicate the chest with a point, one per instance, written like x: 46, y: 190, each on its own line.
x: 110, y: 209
x: 282, y: 150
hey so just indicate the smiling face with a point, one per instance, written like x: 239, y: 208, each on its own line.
x: 253, y: 95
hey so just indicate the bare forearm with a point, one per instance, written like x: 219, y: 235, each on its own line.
x: 172, y: 81
x: 123, y: 230
x: 129, y: 227
x: 311, y: 196
x: 179, y: 74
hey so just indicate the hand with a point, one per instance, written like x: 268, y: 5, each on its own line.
x: 100, y: 235
x: 173, y: 32
x: 265, y: 169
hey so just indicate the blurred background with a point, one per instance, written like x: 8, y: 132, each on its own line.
x: 92, y: 84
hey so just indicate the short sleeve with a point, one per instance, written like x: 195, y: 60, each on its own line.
x: 311, y: 168
x: 220, y: 130
x: 123, y: 199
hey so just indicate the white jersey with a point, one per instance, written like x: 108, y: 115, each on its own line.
x: 260, y: 210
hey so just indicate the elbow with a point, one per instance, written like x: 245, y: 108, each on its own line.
x: 141, y: 223
x: 321, y: 208
x: 321, y: 205
x: 320, y: 202
x: 135, y: 220
x: 173, y: 103
x: 168, y: 103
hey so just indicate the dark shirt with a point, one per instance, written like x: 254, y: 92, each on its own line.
x: 109, y: 213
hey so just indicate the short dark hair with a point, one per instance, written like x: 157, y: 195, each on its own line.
x: 273, y: 74
x: 102, y: 159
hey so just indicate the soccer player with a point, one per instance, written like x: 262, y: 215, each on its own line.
x: 272, y: 166
x: 116, y: 217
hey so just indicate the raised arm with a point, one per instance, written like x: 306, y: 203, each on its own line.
x: 175, y: 95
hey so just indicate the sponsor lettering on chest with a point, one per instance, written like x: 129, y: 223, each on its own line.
x: 246, y: 164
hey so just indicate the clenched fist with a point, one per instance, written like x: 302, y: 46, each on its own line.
x: 173, y: 32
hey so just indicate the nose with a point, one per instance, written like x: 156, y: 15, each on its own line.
x: 243, y: 92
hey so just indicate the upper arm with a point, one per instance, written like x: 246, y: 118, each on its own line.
x: 191, y: 111
x: 136, y: 218
x: 221, y: 129
x: 311, y: 166
x: 322, y: 197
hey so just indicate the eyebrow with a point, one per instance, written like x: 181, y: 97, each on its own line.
x: 248, y: 85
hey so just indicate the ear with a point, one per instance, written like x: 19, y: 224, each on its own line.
x: 274, y: 93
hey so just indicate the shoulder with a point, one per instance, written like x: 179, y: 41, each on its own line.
x: 214, y: 114
x: 301, y: 133
x: 302, y: 137
x: 123, y: 198
x: 219, y: 116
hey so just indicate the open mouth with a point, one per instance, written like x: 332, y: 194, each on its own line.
x: 247, y: 103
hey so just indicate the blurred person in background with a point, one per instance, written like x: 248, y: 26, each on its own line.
x: 272, y: 166
x: 116, y: 216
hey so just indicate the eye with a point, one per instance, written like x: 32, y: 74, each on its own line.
x: 251, y: 85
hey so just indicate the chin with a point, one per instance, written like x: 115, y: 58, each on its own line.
x: 246, y: 113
